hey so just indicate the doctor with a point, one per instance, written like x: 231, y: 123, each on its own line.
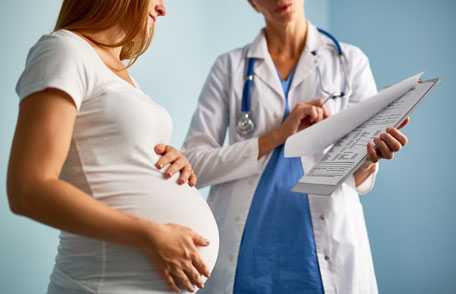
x: 275, y: 241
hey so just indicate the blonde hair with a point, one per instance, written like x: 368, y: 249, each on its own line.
x: 97, y: 15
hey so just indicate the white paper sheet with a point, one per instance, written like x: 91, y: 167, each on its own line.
x: 327, y: 132
x: 349, y: 152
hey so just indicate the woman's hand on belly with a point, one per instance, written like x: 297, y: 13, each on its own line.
x: 177, y: 163
x: 174, y: 253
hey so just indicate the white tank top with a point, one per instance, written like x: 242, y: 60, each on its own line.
x: 112, y: 158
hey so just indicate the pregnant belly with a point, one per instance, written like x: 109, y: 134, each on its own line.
x: 168, y: 202
x: 110, y: 268
x: 163, y: 201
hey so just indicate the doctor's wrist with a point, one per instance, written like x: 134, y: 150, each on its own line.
x: 269, y: 141
x: 364, y: 172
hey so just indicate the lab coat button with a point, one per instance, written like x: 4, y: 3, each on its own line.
x: 327, y: 258
x: 322, y: 217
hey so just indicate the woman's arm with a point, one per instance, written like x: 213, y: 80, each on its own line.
x: 40, y: 146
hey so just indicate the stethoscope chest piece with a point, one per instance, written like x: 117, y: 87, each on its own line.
x: 245, y: 125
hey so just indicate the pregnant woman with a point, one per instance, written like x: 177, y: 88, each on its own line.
x: 90, y: 157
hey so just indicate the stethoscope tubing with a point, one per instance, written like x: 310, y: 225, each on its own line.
x: 246, y: 126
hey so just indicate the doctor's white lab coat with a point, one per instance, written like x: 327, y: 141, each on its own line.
x: 233, y: 170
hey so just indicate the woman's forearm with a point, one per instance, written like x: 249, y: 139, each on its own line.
x: 60, y: 205
x: 364, y: 172
x: 269, y: 141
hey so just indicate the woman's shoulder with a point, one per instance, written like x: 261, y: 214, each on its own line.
x: 59, y: 44
x: 58, y: 60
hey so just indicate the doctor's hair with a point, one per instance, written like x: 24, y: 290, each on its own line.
x: 90, y: 16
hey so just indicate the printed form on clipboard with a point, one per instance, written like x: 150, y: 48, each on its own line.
x: 349, y: 132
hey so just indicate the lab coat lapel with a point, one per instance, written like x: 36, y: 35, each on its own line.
x: 307, y: 62
x: 264, y: 66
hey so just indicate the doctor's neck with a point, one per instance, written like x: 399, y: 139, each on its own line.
x: 287, y: 39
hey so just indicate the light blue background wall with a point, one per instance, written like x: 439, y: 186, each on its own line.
x: 173, y: 71
x: 411, y: 213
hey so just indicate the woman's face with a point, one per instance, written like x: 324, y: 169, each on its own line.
x: 280, y: 11
x: 156, y: 9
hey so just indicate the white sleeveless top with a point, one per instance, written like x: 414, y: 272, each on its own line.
x: 112, y: 158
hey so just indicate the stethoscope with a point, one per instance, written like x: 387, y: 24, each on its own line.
x: 245, y: 125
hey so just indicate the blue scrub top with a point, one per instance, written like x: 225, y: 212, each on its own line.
x: 277, y: 253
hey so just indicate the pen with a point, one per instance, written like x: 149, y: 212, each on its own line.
x: 333, y: 96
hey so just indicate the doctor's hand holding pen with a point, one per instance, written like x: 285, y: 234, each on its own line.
x: 303, y: 115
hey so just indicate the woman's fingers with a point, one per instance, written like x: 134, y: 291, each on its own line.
x: 170, y: 281
x: 185, y: 175
x: 319, y: 114
x: 176, y: 166
x: 197, y: 261
x: 200, y: 265
x: 385, y: 152
x: 393, y: 144
x: 310, y: 113
x: 177, y: 257
x: 398, y: 135
x: 193, y: 275
x: 170, y: 156
x: 325, y: 113
x: 177, y: 162
x: 192, y: 180
x: 160, y: 149
x: 312, y: 110
x: 387, y: 144
x: 199, y: 240
x: 315, y: 114
x: 372, y: 153
x: 404, y: 122
x: 181, y: 279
